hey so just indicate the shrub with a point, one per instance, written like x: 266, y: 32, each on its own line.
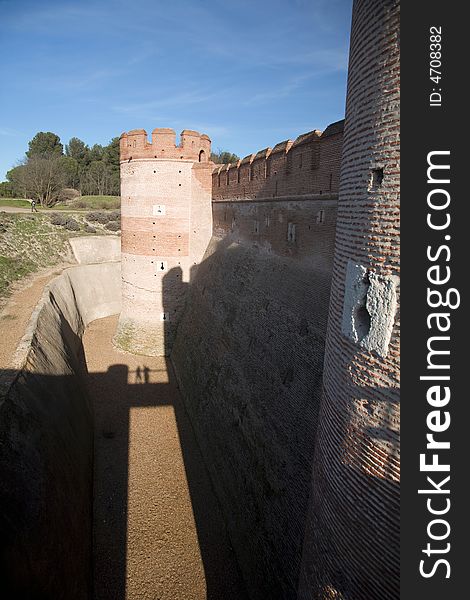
x: 57, y: 219
x: 115, y: 215
x: 72, y: 225
x: 89, y: 229
x: 98, y: 217
x: 113, y: 226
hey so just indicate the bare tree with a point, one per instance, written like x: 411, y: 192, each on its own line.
x: 41, y: 177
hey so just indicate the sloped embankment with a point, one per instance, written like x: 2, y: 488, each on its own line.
x: 46, y: 439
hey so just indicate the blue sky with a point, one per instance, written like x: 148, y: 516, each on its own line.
x: 249, y: 73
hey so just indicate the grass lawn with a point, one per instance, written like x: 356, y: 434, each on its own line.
x: 91, y: 203
x: 12, y: 269
x: 15, y: 202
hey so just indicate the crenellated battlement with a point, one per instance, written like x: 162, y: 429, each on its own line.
x: 310, y: 164
x: 193, y: 145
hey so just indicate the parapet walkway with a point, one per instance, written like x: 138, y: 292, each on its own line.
x: 158, y: 529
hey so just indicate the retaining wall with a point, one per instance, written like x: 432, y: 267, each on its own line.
x: 46, y: 439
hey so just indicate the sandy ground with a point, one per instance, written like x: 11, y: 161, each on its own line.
x: 158, y: 530
x: 16, y: 311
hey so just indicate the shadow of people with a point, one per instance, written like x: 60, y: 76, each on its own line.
x: 146, y: 374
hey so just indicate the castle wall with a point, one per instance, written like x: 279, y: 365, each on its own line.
x: 309, y: 165
x: 249, y: 357
x: 352, y: 539
x: 289, y: 228
x: 166, y: 224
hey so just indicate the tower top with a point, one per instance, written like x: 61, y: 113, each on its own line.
x: 193, y: 146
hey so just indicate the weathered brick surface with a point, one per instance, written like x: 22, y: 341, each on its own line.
x: 175, y: 180
x: 352, y: 541
x: 248, y: 356
x: 309, y: 492
x: 193, y: 146
x: 303, y: 229
x: 309, y: 165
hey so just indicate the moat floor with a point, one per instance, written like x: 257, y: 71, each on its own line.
x: 158, y: 530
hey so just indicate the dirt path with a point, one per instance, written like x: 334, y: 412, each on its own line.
x: 16, y: 311
x: 158, y: 531
x: 14, y: 209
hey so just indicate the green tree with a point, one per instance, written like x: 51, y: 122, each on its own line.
x: 224, y: 157
x: 15, y: 178
x: 96, y: 152
x: 6, y: 190
x: 78, y: 150
x: 70, y: 168
x: 111, y: 153
x: 45, y: 144
x: 111, y: 158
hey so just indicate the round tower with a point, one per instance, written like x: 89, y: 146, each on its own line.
x: 351, y: 548
x: 166, y: 224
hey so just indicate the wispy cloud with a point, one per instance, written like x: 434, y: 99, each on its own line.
x: 246, y: 73
x: 7, y: 131
x: 167, y: 99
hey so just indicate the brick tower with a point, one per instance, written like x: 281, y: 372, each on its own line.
x: 352, y: 544
x: 166, y: 224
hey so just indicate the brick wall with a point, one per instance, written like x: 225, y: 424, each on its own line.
x: 166, y: 224
x: 309, y: 165
x: 248, y: 357
x: 352, y: 542
x: 302, y: 229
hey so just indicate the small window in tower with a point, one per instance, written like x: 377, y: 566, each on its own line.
x: 134, y: 143
x: 250, y: 173
x: 227, y: 178
x: 238, y: 175
x: 202, y: 156
x: 376, y: 178
x: 255, y: 226
x: 218, y: 180
x: 320, y: 216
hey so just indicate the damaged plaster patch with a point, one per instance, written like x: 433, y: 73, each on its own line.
x: 370, y: 303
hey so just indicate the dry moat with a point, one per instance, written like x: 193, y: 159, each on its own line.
x: 207, y: 406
